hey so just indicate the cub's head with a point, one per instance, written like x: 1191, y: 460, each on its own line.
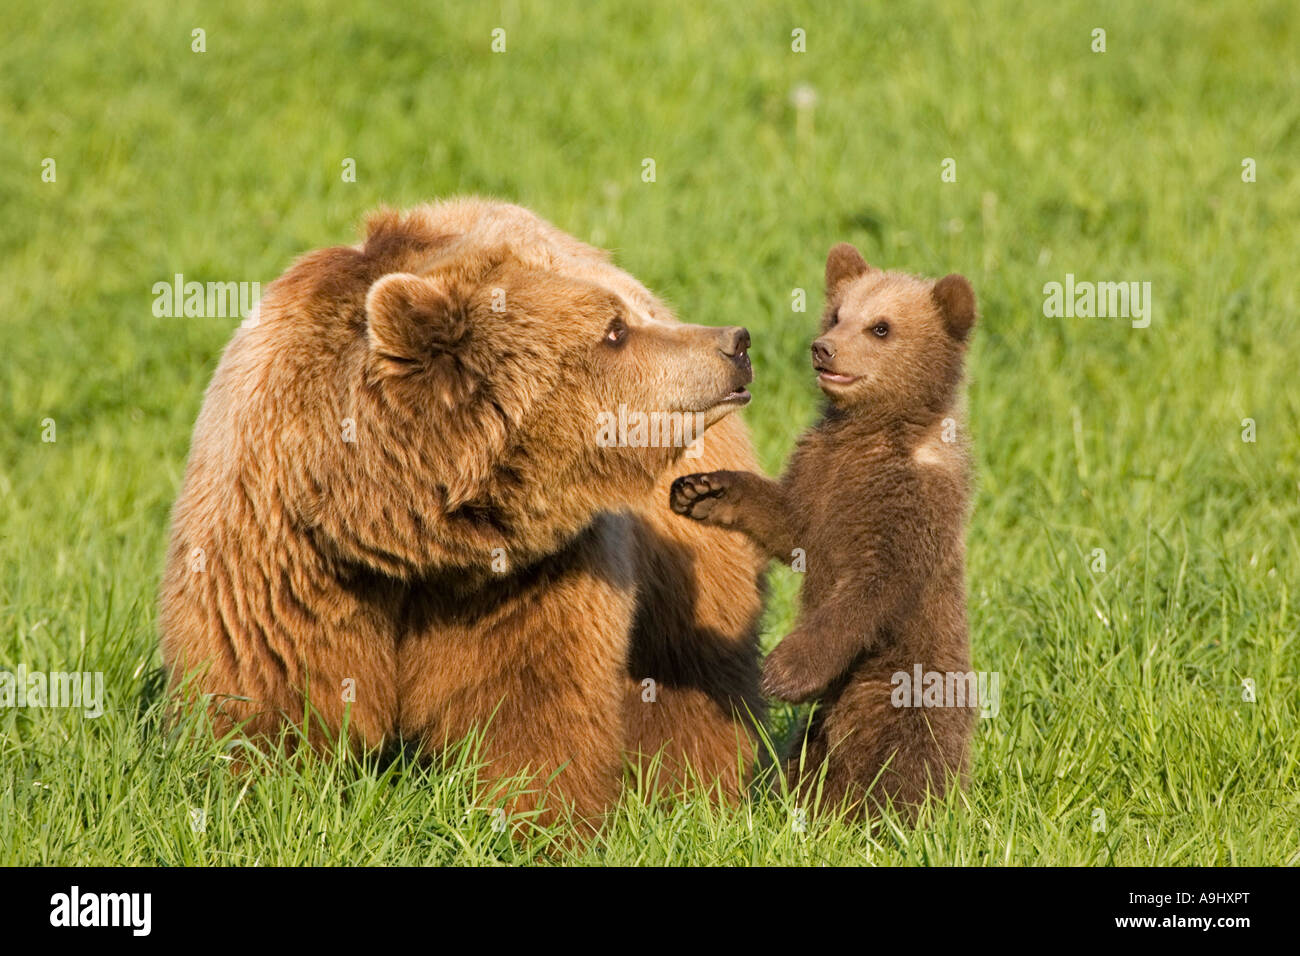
x: 890, y: 342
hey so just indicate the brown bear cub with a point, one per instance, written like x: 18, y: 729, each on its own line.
x: 875, y: 500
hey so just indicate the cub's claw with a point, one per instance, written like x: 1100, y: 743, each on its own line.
x: 696, y: 495
x: 788, y: 678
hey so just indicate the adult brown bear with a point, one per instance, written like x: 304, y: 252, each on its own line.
x: 398, y: 504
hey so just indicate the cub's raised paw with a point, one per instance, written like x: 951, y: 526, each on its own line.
x: 697, y: 496
x: 788, y: 677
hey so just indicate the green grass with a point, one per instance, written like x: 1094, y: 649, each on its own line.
x: 1122, y: 689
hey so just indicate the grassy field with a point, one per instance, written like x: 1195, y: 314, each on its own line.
x: 1124, y: 734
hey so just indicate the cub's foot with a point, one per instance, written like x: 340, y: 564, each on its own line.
x: 790, y: 676
x: 699, y: 496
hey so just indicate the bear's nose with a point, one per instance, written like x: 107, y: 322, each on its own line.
x: 822, y: 352
x: 734, y: 340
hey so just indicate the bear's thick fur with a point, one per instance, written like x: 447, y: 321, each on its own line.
x: 396, y: 505
x: 876, y: 494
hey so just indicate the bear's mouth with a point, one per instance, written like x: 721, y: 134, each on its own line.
x: 741, y: 377
x: 827, y: 377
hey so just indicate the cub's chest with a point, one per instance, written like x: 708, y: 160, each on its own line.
x: 838, y: 485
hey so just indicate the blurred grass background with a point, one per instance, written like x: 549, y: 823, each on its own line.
x: 1122, y: 689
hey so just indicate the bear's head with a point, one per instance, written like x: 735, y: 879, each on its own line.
x: 890, y: 342
x: 530, y: 385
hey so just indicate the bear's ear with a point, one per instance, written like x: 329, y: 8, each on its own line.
x: 842, y: 264
x: 412, y: 321
x: 956, y: 301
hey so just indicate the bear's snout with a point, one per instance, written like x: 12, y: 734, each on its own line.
x: 734, y: 341
x: 734, y: 344
x: 822, y: 352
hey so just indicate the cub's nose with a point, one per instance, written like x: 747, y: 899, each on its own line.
x: 822, y: 352
x: 734, y: 340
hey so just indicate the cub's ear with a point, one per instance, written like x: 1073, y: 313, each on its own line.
x: 842, y: 264
x: 956, y: 301
x: 413, y: 322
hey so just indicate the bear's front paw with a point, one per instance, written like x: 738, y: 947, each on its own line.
x: 789, y: 676
x: 698, y: 496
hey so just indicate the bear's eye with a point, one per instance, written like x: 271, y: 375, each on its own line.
x: 880, y: 329
x: 616, y: 334
x: 835, y: 318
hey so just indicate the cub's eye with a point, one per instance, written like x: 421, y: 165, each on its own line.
x: 616, y: 334
x: 835, y: 318
x: 880, y: 329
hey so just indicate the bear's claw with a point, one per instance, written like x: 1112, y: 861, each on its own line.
x: 784, y: 678
x: 695, y: 495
